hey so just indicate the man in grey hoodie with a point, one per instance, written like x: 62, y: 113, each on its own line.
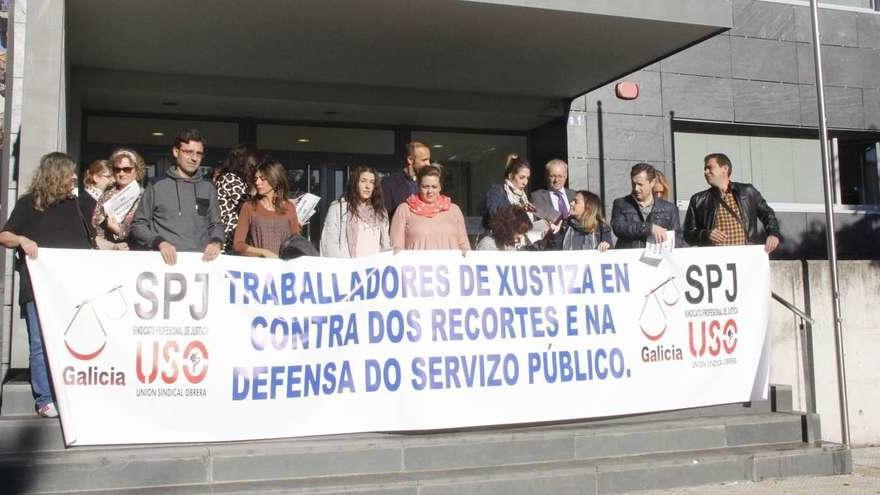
x: 179, y: 212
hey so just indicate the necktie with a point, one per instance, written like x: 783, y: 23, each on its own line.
x: 562, y: 204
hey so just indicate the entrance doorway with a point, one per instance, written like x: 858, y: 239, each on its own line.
x: 319, y: 157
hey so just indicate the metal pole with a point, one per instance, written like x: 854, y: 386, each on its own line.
x: 829, y: 229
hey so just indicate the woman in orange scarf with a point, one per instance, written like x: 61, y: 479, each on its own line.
x: 429, y: 220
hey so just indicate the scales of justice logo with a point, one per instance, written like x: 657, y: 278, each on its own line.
x: 653, y: 320
x: 86, y: 334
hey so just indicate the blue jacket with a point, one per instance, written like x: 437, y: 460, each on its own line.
x: 496, y: 199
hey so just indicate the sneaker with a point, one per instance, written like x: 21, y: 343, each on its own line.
x: 48, y: 411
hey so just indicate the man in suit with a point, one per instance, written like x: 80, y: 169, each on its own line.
x: 552, y: 203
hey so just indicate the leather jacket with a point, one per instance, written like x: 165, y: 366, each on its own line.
x: 700, y: 217
x: 632, y: 230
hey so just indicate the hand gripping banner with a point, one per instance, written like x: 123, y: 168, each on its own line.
x: 243, y: 348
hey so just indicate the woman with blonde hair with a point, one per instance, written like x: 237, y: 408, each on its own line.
x: 48, y: 216
x: 429, y: 220
x: 268, y: 218
x: 113, y: 217
x: 97, y: 179
x: 586, y: 227
x: 661, y: 187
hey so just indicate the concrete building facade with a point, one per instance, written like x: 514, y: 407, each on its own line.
x: 750, y: 93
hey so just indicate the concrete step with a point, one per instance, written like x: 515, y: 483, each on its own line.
x: 17, y: 399
x: 592, y: 476
x: 375, y: 454
x: 34, y: 434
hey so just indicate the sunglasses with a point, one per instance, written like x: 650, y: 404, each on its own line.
x: 127, y: 170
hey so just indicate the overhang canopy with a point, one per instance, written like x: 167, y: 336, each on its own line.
x: 471, y: 63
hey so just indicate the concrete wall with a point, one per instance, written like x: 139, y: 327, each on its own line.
x: 9, y: 187
x: 807, y: 286
x: 760, y: 72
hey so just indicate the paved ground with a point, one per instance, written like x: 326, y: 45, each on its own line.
x: 864, y: 480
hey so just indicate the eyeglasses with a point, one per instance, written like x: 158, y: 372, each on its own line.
x: 106, y: 176
x: 127, y: 170
x: 195, y: 153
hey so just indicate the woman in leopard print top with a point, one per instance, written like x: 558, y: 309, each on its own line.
x: 233, y: 188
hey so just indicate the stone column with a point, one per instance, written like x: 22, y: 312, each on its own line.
x: 35, y: 121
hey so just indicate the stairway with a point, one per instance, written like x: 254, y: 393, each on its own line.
x: 680, y: 448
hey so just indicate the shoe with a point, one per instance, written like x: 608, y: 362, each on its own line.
x: 48, y: 411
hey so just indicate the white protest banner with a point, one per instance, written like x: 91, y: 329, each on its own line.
x: 246, y: 348
x: 120, y: 203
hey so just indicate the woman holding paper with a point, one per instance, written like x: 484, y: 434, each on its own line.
x: 357, y: 223
x: 429, y: 220
x: 268, y: 218
x: 585, y: 228
x: 117, y: 206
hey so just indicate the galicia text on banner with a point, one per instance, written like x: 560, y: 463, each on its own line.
x: 244, y: 348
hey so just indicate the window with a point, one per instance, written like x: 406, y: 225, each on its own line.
x: 784, y: 164
x: 325, y: 139
x: 862, y: 4
x: 836, y: 4
x: 858, y: 171
x: 153, y: 139
x: 785, y: 170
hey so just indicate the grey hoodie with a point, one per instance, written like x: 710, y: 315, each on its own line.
x: 180, y: 210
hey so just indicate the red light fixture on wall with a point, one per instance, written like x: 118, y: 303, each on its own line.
x: 626, y: 90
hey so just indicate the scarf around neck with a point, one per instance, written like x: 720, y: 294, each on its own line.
x: 419, y: 207
x: 516, y: 196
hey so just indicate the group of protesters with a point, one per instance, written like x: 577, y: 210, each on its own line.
x: 246, y: 208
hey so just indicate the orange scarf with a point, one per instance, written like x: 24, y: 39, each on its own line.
x: 419, y: 207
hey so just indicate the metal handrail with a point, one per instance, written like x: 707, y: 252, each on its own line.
x: 791, y: 307
x: 805, y: 326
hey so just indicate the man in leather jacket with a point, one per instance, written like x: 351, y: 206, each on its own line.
x: 727, y: 213
x: 639, y: 216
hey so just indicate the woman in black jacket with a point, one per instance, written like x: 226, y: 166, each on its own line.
x: 585, y: 228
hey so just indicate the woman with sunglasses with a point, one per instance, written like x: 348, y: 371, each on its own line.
x: 111, y: 227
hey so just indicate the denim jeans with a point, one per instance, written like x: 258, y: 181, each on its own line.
x: 39, y: 368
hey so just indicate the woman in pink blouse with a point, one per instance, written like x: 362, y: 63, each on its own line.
x: 429, y: 220
x: 268, y: 218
